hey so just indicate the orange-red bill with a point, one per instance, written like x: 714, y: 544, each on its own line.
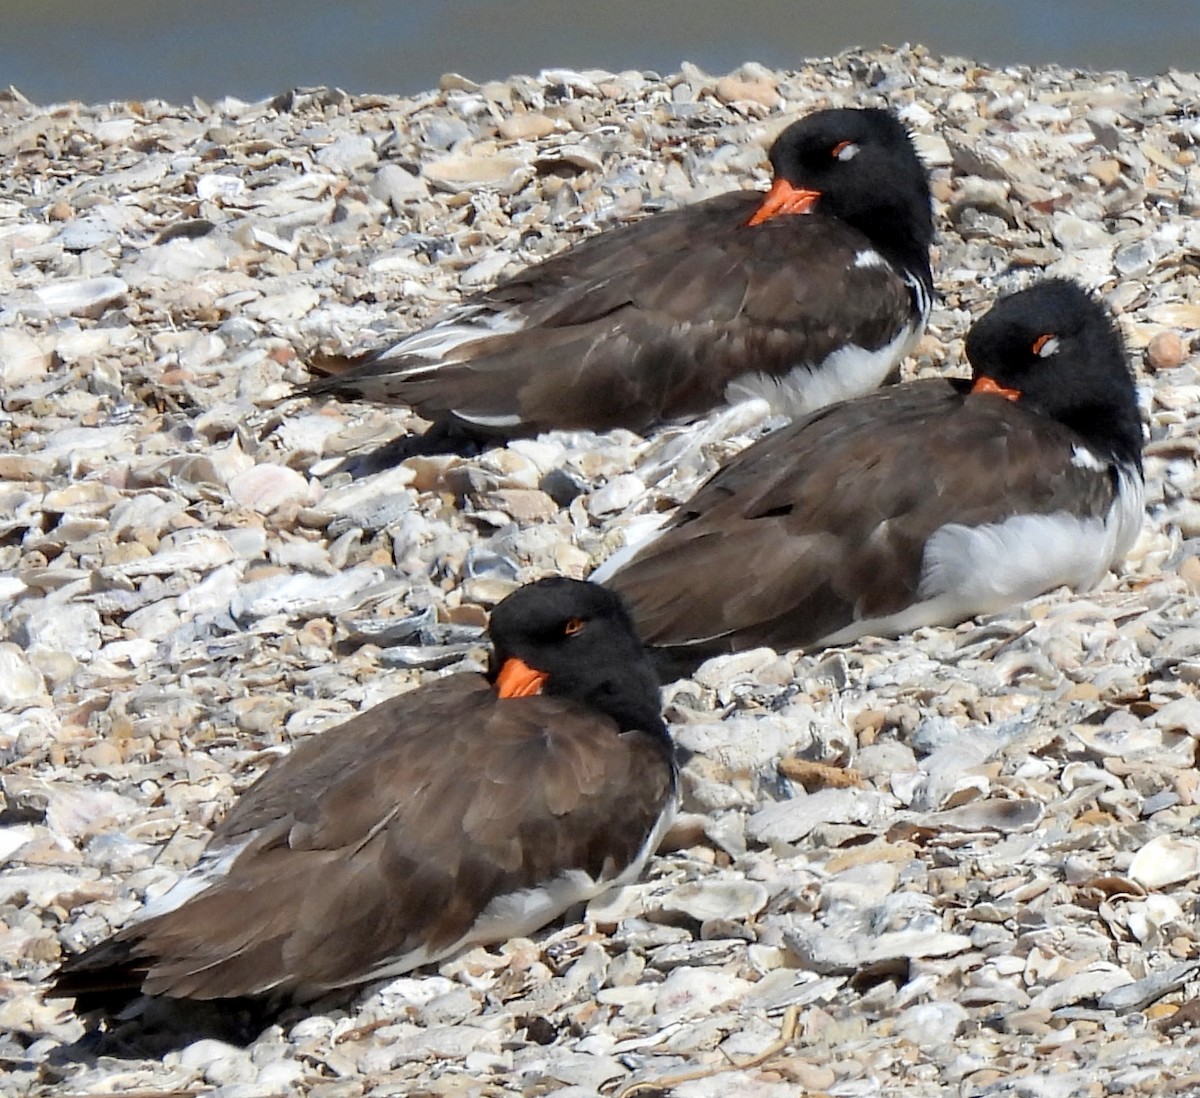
x: 987, y: 385
x: 781, y: 199
x: 518, y: 680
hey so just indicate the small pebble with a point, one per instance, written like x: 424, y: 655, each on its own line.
x: 1165, y: 351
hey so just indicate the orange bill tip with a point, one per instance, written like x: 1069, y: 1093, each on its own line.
x: 987, y: 385
x: 782, y: 199
x: 518, y: 680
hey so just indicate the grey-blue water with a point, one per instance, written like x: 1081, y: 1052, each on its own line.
x: 96, y: 50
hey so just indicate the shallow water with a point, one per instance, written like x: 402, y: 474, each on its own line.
x: 115, y: 49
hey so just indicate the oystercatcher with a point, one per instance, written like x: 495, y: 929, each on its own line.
x: 809, y: 294
x: 923, y: 504
x: 473, y: 809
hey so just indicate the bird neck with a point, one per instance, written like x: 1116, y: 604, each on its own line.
x: 902, y: 232
x: 630, y: 696
x: 1110, y: 429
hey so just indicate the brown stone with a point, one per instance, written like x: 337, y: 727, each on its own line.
x: 735, y: 89
x: 1107, y: 172
x: 526, y: 125
x: 1189, y: 572
x: 1165, y: 351
x: 815, y: 775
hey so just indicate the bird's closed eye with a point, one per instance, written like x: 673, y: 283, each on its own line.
x: 1045, y: 345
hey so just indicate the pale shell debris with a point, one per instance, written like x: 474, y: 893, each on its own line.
x: 1003, y: 884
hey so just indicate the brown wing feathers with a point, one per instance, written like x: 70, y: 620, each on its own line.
x: 825, y: 522
x: 321, y: 894
x: 667, y: 311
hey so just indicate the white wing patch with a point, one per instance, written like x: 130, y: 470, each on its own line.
x: 212, y: 866
x: 972, y: 570
x: 458, y: 326
x: 639, y: 533
x: 869, y: 257
x: 510, y: 420
x: 849, y: 372
x: 1083, y: 458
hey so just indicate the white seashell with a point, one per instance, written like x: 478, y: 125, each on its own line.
x: 529, y: 126
x: 184, y: 258
x: 43, y: 887
x: 931, y: 1025
x: 76, y: 812
x: 13, y: 837
x: 723, y: 672
x: 1147, y: 918
x: 436, y: 1043
x: 1180, y: 715
x: 409, y: 991
x: 260, y: 235
x: 1089, y: 984
x: 860, y: 886
x: 74, y: 628
x: 219, y: 1063
x: 996, y: 814
x: 347, y: 154
x: 85, y: 233
x: 21, y: 359
x: 737, y: 747
x: 789, y: 821
x: 133, y: 652
x: 263, y: 488
x: 585, y: 1072
x: 290, y: 305
x: 617, y: 904
x: 616, y: 495
x: 486, y: 271
x: 503, y: 174
x: 694, y: 992
x: 831, y: 952
x: 1165, y: 860
x: 582, y: 83
x: 1129, y: 743
x: 299, y: 595
x: 115, y: 131
x: 575, y: 156
x: 1141, y: 993
x: 219, y: 185
x: 71, y: 346
x: 153, y: 622
x: 80, y: 296
x: 719, y: 899
x: 786, y: 987
x: 1077, y: 774
x: 397, y: 187
x: 188, y: 551
x: 18, y: 681
x: 370, y: 503
x: 933, y: 150
x: 142, y: 173
x: 280, y: 1075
